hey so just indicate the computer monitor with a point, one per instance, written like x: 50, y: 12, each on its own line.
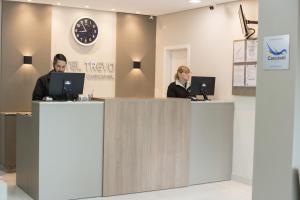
x: 248, y: 32
x: 202, y: 85
x: 243, y: 22
x: 66, y: 86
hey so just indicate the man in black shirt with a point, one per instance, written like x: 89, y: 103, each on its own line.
x: 41, y: 89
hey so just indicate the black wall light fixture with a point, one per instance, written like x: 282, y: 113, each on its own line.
x: 136, y: 65
x: 27, y: 60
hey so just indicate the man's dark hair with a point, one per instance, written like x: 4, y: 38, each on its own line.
x: 59, y: 57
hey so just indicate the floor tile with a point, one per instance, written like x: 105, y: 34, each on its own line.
x: 227, y: 190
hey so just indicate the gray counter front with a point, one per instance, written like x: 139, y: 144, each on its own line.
x: 211, y: 142
x: 8, y: 140
x: 65, y: 149
x: 59, y: 150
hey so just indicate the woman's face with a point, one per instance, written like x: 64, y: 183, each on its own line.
x: 184, y: 76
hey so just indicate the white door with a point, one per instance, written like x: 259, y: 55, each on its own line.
x: 174, y: 57
x: 178, y: 58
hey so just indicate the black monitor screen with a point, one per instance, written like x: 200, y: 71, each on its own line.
x: 203, y: 85
x: 243, y: 22
x: 66, y: 86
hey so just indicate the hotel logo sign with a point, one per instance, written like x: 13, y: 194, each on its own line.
x: 94, y: 70
x: 276, y: 52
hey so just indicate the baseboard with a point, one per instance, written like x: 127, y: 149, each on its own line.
x: 241, y: 179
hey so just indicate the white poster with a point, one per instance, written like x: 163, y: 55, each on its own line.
x: 251, y: 75
x: 239, y: 51
x: 251, y: 50
x: 276, y: 52
x: 239, y: 75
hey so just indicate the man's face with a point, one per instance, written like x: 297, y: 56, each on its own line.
x: 60, y: 66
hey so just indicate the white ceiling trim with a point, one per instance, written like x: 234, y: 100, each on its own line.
x: 145, y: 7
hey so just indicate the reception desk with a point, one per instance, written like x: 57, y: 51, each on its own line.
x: 8, y: 140
x: 72, y: 150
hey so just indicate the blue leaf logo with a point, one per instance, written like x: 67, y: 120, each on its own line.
x: 274, y: 52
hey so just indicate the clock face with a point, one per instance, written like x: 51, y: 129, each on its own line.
x: 85, y: 31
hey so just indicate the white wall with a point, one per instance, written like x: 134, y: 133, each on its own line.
x: 210, y: 35
x: 104, y: 49
x: 0, y: 49
x: 277, y: 133
x: 243, y: 139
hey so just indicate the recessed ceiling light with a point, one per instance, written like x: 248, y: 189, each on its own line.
x: 29, y: 0
x: 195, y: 1
x: 87, y: 6
x: 113, y: 9
x: 138, y: 12
x: 58, y: 3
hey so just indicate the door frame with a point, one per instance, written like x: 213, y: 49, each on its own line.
x: 167, y: 67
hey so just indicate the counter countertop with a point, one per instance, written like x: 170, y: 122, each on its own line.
x: 67, y: 102
x: 214, y: 101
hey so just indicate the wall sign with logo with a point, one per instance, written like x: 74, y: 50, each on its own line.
x: 276, y: 52
x: 94, y: 70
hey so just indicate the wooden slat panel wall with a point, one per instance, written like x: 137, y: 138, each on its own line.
x: 145, y: 145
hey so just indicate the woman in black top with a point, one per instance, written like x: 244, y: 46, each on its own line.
x: 181, y: 87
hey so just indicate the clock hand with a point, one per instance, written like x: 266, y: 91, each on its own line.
x: 83, y: 27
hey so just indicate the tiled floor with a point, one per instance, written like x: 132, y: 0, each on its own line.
x: 228, y: 190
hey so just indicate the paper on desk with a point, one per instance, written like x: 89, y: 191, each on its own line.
x: 251, y: 75
x: 238, y: 75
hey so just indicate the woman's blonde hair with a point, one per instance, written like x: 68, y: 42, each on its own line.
x: 181, y: 69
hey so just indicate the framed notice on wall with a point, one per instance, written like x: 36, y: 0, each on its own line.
x: 239, y: 75
x: 250, y: 79
x: 239, y: 51
x: 251, y: 51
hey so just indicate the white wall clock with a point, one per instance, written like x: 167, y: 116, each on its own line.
x: 85, y: 31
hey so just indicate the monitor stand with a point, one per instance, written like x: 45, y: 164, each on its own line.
x: 195, y: 99
x: 205, y: 97
x: 204, y: 100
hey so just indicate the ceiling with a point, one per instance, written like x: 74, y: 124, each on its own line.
x: 146, y: 7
